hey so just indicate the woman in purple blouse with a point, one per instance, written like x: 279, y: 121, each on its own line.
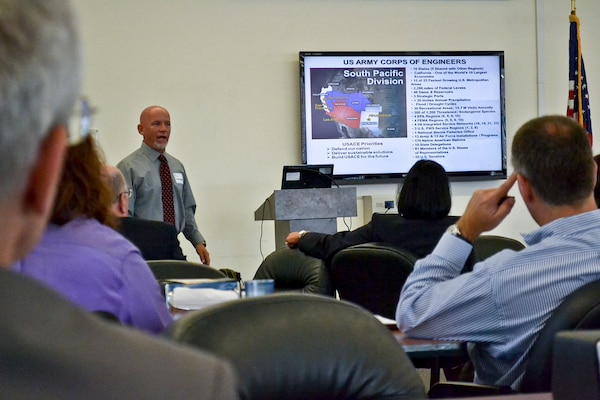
x: 82, y: 257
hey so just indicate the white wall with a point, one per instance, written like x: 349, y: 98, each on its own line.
x: 227, y: 70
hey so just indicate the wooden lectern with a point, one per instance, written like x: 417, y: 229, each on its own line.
x: 313, y: 210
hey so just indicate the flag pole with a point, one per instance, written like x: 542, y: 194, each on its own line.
x: 573, y: 18
x: 578, y: 107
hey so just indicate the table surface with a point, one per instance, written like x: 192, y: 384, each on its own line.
x: 527, y: 396
x: 430, y: 354
x: 421, y: 348
x: 424, y: 348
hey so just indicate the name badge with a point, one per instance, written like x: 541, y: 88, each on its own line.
x: 178, y: 177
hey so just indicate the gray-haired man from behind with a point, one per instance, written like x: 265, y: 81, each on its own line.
x: 50, y: 348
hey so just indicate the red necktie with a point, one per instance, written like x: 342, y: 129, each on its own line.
x: 167, y: 191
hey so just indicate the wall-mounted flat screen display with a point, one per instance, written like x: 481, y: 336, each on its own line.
x: 374, y: 114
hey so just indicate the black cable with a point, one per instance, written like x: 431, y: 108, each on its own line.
x: 262, y: 221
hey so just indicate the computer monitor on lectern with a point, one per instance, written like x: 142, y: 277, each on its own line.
x: 307, y: 176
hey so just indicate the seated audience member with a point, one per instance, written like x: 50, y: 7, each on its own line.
x: 50, y: 348
x: 597, y: 187
x: 423, y: 206
x: 156, y: 240
x: 84, y: 259
x: 501, y: 305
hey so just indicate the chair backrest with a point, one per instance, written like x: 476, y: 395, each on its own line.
x: 579, y: 310
x: 178, y: 269
x: 372, y: 275
x: 303, y: 346
x: 292, y: 270
x: 488, y: 245
x: 576, y: 372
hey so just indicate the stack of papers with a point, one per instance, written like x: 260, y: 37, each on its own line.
x: 195, y: 294
x: 386, y: 321
x: 186, y: 298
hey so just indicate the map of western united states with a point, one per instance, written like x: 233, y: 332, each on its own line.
x: 344, y: 108
x: 353, y: 103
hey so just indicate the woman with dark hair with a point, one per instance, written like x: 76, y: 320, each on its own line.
x: 423, y: 206
x: 88, y: 262
x: 425, y: 193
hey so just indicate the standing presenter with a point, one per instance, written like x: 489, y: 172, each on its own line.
x: 161, y: 190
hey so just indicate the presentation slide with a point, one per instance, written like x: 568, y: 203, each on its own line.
x: 380, y: 114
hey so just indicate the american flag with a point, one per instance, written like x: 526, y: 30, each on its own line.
x: 579, y: 101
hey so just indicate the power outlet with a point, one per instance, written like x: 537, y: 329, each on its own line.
x: 377, y: 205
x: 385, y: 205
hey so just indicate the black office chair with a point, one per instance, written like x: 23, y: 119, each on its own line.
x: 487, y: 245
x: 575, y: 365
x: 372, y: 275
x: 292, y: 270
x: 303, y: 346
x: 579, y: 310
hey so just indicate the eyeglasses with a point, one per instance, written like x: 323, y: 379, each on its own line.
x: 128, y: 193
x: 80, y: 123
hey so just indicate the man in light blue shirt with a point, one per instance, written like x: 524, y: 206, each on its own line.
x: 500, y: 307
x: 141, y: 171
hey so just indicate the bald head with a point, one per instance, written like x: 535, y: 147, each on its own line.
x: 155, y: 127
x: 116, y: 182
x: 148, y: 111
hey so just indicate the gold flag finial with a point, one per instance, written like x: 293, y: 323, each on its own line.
x: 572, y: 6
